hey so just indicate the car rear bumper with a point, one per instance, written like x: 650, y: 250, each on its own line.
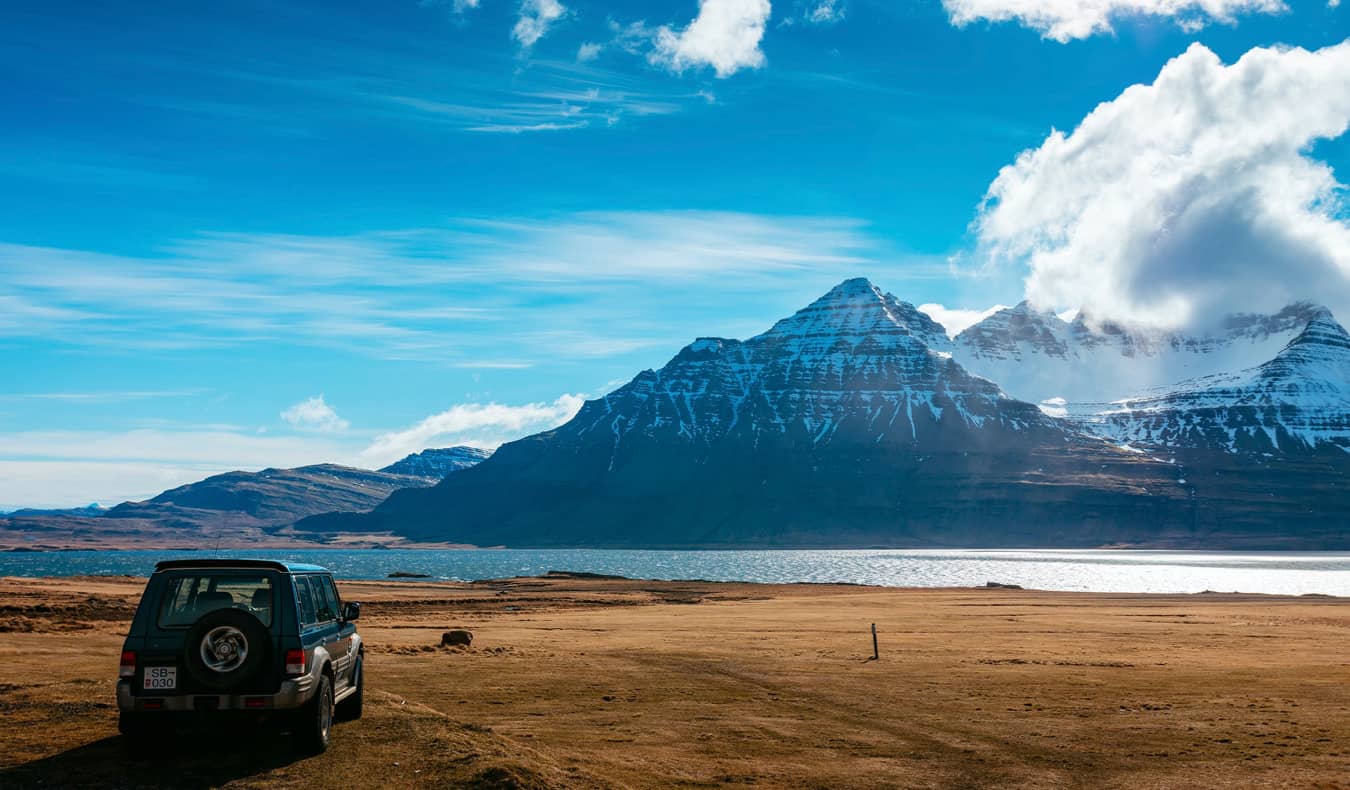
x: 292, y: 694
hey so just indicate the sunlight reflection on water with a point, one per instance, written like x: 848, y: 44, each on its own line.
x: 1091, y: 570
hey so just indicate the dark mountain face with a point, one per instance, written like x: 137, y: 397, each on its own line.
x: 840, y: 426
x: 437, y: 463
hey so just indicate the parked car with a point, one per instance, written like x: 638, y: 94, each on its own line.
x: 252, y: 641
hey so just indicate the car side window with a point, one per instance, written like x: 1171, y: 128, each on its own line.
x: 324, y: 598
x: 333, y: 595
x: 308, y: 612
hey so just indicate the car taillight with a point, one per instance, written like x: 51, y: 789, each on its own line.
x: 295, y: 662
x: 128, y: 668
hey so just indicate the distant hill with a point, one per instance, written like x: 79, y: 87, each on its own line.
x: 234, y: 506
x: 93, y: 510
x: 271, y: 497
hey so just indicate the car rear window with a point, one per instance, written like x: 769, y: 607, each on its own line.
x: 189, y: 596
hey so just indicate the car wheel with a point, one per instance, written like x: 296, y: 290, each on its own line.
x: 316, y: 719
x: 350, y: 708
x: 226, y: 649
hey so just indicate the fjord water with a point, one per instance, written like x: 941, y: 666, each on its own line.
x: 1283, y: 573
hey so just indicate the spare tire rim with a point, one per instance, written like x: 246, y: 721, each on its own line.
x: 224, y: 649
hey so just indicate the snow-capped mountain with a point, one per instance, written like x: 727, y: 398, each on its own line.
x: 854, y: 423
x: 846, y: 424
x: 855, y: 365
x: 436, y: 463
x: 1039, y: 357
x: 1296, y: 402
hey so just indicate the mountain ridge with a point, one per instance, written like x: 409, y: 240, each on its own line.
x: 242, y: 505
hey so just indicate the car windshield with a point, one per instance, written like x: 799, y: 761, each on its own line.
x: 189, y: 596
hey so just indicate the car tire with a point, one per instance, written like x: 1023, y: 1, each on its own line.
x: 350, y: 708
x: 243, y: 632
x: 315, y: 725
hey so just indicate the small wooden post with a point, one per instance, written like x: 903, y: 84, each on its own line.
x: 876, y: 655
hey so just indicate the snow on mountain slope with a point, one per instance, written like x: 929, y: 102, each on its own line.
x: 1039, y: 357
x: 1297, y: 401
x: 436, y: 463
x: 855, y: 360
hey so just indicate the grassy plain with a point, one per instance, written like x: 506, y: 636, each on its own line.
x: 613, y: 683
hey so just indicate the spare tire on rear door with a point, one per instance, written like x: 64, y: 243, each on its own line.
x: 226, y: 649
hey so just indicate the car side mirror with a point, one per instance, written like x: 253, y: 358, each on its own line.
x: 351, y: 611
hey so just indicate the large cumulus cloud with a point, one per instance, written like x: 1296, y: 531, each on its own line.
x: 1197, y: 195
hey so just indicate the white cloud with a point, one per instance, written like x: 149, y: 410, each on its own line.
x: 1064, y: 20
x: 484, y: 425
x: 725, y: 35
x: 825, y: 12
x: 588, y: 51
x: 313, y: 414
x: 955, y: 319
x: 103, y: 396
x: 536, y: 16
x: 457, y: 6
x: 1188, y: 198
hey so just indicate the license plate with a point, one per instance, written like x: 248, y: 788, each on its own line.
x: 160, y: 679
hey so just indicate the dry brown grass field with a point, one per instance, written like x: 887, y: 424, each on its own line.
x: 607, y: 683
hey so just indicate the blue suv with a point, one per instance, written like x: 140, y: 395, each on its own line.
x: 251, y: 640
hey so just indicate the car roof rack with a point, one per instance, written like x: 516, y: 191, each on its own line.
x: 216, y: 562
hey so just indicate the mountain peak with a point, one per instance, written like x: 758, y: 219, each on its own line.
x: 852, y: 288
x: 1323, y: 336
x: 855, y: 308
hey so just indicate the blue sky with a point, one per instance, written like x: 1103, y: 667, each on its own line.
x: 273, y: 233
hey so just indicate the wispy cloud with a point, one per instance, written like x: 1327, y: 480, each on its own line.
x: 66, y: 468
x: 201, y: 446
x: 449, y: 294
x: 408, y: 85
x: 103, y: 396
x: 484, y: 425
